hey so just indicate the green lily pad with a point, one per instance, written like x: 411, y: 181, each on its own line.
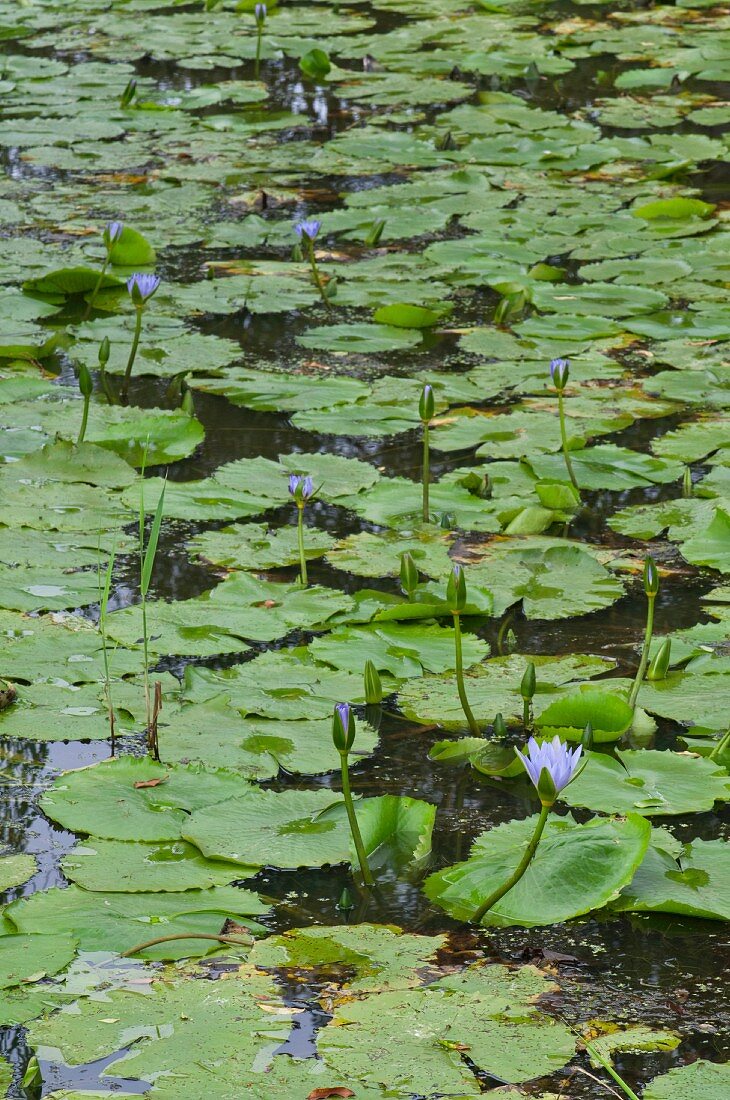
x: 648, y: 782
x: 15, y: 870
x: 28, y: 958
x: 696, y: 883
x: 115, y: 865
x: 699, y: 1081
x: 609, y: 715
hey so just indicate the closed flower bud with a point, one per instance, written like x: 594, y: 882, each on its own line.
x: 447, y: 521
x: 408, y: 574
x: 687, y: 485
x: 660, y: 664
x: 112, y: 233
x: 188, y: 404
x: 427, y: 404
x: 651, y: 578
x: 373, y: 684
x: 529, y: 681
x: 104, y: 350
x: 346, y: 902
x: 301, y: 488
x: 456, y: 590
x: 343, y: 727
x: 587, y: 738
x: 559, y: 373
x: 500, y: 726
x: 259, y: 14
x: 375, y: 232
x: 86, y: 384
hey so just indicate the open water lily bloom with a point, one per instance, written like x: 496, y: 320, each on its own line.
x: 553, y: 756
x: 308, y: 228
x: 142, y: 287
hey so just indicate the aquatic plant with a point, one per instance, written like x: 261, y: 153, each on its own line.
x: 426, y: 408
x: 456, y: 599
x: 259, y: 14
x: 111, y: 234
x: 307, y: 232
x: 651, y: 588
x: 528, y: 684
x: 128, y: 95
x: 147, y: 553
x: 302, y: 490
x: 551, y: 766
x: 560, y: 373
x: 86, y: 385
x: 373, y: 684
x: 140, y: 289
x: 660, y: 662
x: 104, y: 592
x: 104, y: 353
x: 408, y: 574
x: 343, y: 737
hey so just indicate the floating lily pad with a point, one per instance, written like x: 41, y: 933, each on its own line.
x: 648, y: 782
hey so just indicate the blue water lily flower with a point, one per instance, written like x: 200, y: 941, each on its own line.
x: 113, y: 232
x: 555, y: 758
x: 260, y: 13
x: 142, y: 287
x: 559, y: 373
x: 308, y: 228
x: 301, y: 488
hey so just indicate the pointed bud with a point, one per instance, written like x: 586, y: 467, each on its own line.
x: 587, y: 738
x: 509, y: 645
x: 346, y: 902
x: 128, y: 94
x: 375, y: 233
x: 408, y: 574
x: 447, y: 521
x: 188, y: 404
x: 373, y: 684
x: 687, y: 485
x: 500, y: 726
x: 86, y: 384
x: 651, y: 578
x: 529, y: 682
x: 343, y: 727
x: 660, y: 664
x: 104, y: 350
x: 456, y: 590
x: 559, y: 373
x: 427, y: 404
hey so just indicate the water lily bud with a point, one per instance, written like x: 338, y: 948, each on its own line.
x: 343, y: 727
x: 456, y: 590
x: 687, y: 485
x: 509, y: 644
x: 651, y: 578
x: 408, y: 574
x: 301, y: 488
x: 500, y: 726
x: 447, y: 521
x: 112, y: 233
x: 188, y: 404
x: 375, y: 232
x: 373, y: 684
x: 104, y: 350
x: 142, y: 287
x: 346, y: 902
x: 587, y: 738
x: 427, y: 404
x: 259, y: 14
x: 86, y: 384
x: 128, y: 94
x: 307, y: 229
x: 660, y: 664
x: 529, y: 682
x: 559, y: 373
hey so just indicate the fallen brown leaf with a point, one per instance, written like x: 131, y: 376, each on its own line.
x: 323, y: 1094
x: 142, y: 783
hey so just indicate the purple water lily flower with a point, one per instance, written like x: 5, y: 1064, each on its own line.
x: 142, y: 287
x: 260, y: 14
x: 301, y: 488
x: 113, y: 232
x: 555, y: 757
x: 309, y: 228
x: 559, y: 372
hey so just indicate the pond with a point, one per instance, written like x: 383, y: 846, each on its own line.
x: 368, y: 354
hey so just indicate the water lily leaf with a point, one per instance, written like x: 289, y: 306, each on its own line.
x: 403, y: 315
x: 699, y: 1081
x: 131, y: 249
x: 124, y: 920
x: 609, y: 715
x: 577, y: 868
x: 119, y: 866
x: 26, y: 958
x: 254, y: 546
x: 695, y: 696
x: 359, y: 338
x: 632, y: 1040
x: 648, y: 782
x: 308, y: 828
x: 403, y: 650
x: 673, y: 209
x: 712, y: 546
x: 368, y: 554
x: 696, y: 883
x: 15, y: 870
x: 57, y: 285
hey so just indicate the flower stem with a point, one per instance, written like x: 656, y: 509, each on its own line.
x: 564, y: 439
x: 132, y: 354
x: 354, y: 827
x: 519, y: 872
x: 644, y: 652
x: 527, y: 713
x: 97, y: 288
x: 84, y: 420
x: 473, y: 726
x: 184, y: 936
x: 300, y: 536
x: 258, y: 51
x: 426, y: 471
x: 316, y: 275
x: 720, y: 747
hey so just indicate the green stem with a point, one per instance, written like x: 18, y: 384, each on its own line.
x: 183, y: 936
x: 426, y: 472
x: 519, y: 872
x: 147, y: 703
x: 97, y: 288
x: 527, y: 713
x: 598, y: 1057
x: 302, y: 555
x: 84, y: 420
x: 644, y: 652
x: 354, y: 827
x: 258, y: 52
x: 564, y: 439
x: 132, y: 354
x: 473, y: 726
x: 720, y: 747
x: 502, y: 632
x: 316, y: 275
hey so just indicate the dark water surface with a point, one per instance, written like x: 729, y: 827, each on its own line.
x: 662, y: 971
